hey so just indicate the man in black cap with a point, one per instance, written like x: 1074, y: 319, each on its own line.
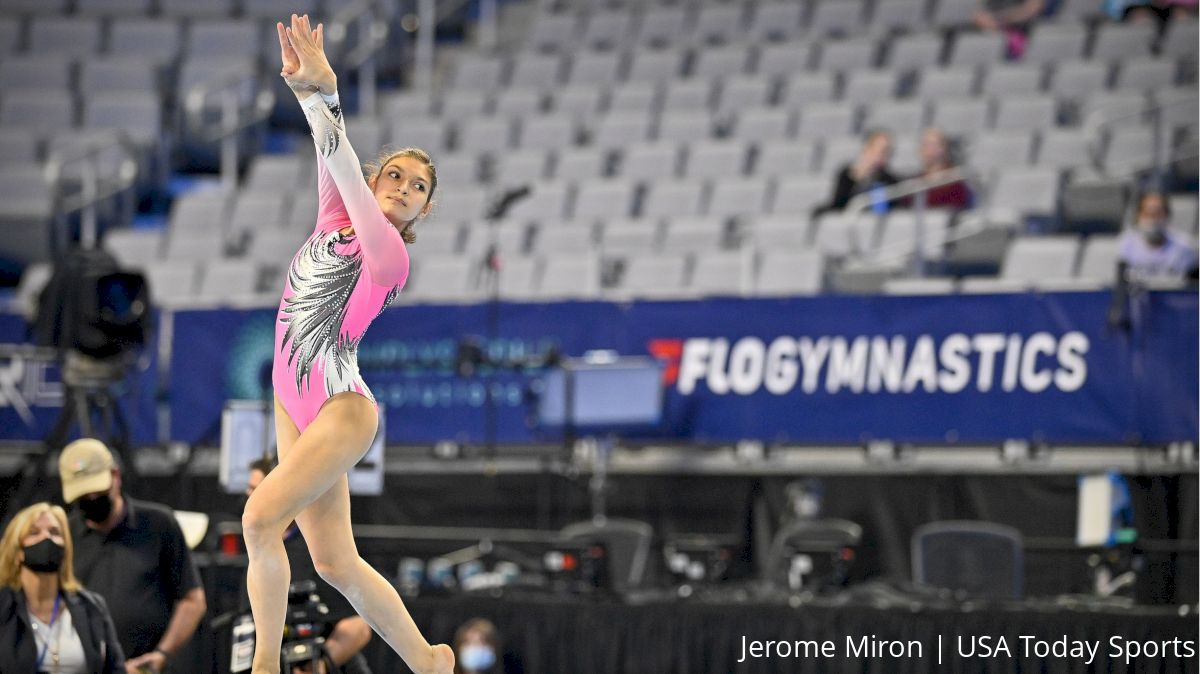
x: 133, y: 554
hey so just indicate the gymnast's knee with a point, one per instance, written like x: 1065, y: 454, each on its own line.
x: 260, y: 527
x: 338, y: 571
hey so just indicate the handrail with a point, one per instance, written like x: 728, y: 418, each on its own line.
x: 226, y: 83
x: 423, y: 49
x: 1097, y: 122
x: 909, y: 187
x: 1093, y: 125
x: 487, y: 31
x: 913, y: 187
x: 422, y: 55
x: 339, y: 31
x: 449, y: 8
x: 92, y: 192
x: 373, y: 34
x: 378, y: 32
x: 345, y: 15
x: 232, y: 120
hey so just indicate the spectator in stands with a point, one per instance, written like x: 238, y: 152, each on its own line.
x: 48, y: 622
x: 1011, y: 17
x: 937, y: 156
x: 1151, y: 250
x: 868, y: 173
x: 133, y: 554
x: 343, y: 647
x: 1003, y: 14
x: 1158, y: 11
x: 479, y: 649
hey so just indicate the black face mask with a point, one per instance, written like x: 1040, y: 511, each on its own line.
x: 96, y: 509
x: 45, y: 556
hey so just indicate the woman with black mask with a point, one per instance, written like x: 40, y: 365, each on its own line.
x: 48, y: 622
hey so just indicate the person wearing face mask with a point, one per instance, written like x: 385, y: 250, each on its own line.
x: 1151, y: 250
x: 478, y: 650
x: 133, y: 554
x: 48, y: 622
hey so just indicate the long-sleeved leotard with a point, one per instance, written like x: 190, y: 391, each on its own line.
x: 338, y: 282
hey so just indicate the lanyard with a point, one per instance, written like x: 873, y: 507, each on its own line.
x: 53, y: 619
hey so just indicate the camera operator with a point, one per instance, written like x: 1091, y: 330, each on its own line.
x: 343, y: 646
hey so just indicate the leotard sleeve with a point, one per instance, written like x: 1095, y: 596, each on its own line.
x: 341, y: 185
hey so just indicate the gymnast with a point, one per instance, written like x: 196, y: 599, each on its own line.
x: 346, y: 273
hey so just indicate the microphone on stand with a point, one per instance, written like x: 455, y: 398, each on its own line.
x: 491, y: 268
x: 491, y: 259
x: 506, y: 200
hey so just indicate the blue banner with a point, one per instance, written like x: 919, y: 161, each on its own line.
x: 832, y: 369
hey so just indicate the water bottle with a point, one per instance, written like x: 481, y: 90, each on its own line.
x: 468, y: 570
x: 412, y: 576
x: 440, y: 573
x: 508, y: 571
x: 879, y: 202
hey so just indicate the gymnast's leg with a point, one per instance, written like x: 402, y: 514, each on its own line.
x: 326, y: 528
x: 310, y: 464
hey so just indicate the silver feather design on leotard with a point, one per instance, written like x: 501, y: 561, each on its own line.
x: 322, y: 281
x: 387, y: 301
x: 325, y: 122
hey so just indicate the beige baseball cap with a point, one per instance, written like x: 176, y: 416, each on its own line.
x: 85, y: 467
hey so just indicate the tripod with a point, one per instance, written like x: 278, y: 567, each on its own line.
x: 92, y: 400
x: 98, y: 317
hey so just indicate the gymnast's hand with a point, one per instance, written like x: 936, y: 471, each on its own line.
x: 302, y: 50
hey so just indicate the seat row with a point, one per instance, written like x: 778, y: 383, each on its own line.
x: 166, y: 8
x: 1049, y: 263
x: 628, y: 125
x: 723, y: 95
x: 1115, y: 43
x: 600, y: 27
x: 1022, y: 188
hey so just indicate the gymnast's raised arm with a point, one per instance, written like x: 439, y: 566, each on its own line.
x: 311, y: 78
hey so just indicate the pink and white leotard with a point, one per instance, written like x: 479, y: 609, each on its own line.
x: 338, y: 283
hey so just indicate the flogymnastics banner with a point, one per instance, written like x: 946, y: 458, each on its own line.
x: 828, y: 370
x: 832, y: 369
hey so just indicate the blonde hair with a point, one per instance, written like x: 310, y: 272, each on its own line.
x: 10, y: 547
x: 374, y: 168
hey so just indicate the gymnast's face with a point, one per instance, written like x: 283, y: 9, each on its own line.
x: 402, y: 190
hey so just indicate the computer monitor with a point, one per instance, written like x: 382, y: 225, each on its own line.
x: 248, y: 433
x: 603, y: 393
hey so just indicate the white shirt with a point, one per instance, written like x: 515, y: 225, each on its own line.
x: 1172, y: 260
x: 61, y: 640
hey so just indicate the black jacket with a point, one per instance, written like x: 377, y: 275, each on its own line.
x: 89, y: 614
x: 846, y: 187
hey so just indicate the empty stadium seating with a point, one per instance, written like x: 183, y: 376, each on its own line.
x: 736, y: 115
